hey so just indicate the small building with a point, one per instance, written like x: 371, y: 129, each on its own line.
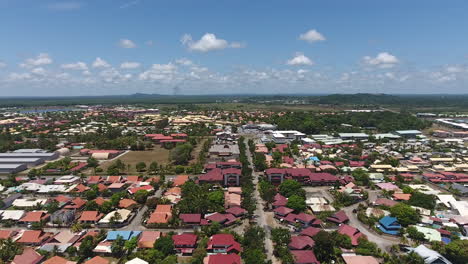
x: 185, y: 243
x: 389, y: 225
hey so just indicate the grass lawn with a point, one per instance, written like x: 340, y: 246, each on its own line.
x: 158, y: 154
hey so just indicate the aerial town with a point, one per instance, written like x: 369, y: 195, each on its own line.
x: 102, y: 184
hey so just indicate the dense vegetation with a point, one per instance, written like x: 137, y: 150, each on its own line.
x: 311, y: 123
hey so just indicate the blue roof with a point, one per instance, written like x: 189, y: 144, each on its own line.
x: 446, y: 240
x: 126, y: 235
x: 389, y: 221
x: 388, y: 231
x: 314, y: 158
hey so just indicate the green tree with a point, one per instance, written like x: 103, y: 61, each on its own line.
x: 165, y: 245
x: 153, y: 167
x: 422, y: 200
x: 141, y: 196
x: 297, y: 203
x: 180, y: 155
x: 290, y: 187
x: 140, y: 166
x: 281, y: 236
x: 8, y: 250
x: 267, y: 191
x: 86, y: 247
x: 457, y: 251
x: 131, y: 244
x: 325, y: 247
x: 118, y: 247
x: 413, y: 233
x: 405, y: 214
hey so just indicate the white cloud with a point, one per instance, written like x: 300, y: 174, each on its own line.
x: 159, y: 72
x: 127, y: 44
x: 19, y: 76
x: 100, y: 63
x: 149, y: 43
x: 300, y: 59
x: 41, y: 59
x: 39, y: 71
x: 78, y: 66
x: 382, y: 60
x: 208, y: 42
x: 2, y: 64
x: 312, y: 36
x: 184, y: 61
x: 130, y: 65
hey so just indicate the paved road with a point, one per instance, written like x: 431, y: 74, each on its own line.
x: 383, y: 242
x: 260, y: 212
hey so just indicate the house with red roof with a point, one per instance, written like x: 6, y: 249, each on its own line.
x: 353, y: 233
x: 90, y: 217
x: 58, y: 260
x: 301, y: 243
x: 97, y: 260
x: 76, y: 203
x: 302, y: 175
x: 34, y: 217
x: 161, y: 215
x: 190, y: 219
x: 224, y: 219
x: 310, y: 231
x: 279, y: 201
x: 224, y: 244
x: 147, y: 239
x: 33, y: 237
x: 128, y: 204
x: 282, y: 212
x: 147, y: 188
x: 236, y: 211
x: 339, y: 217
x: 94, y: 179
x: 222, y: 259
x: 224, y: 177
x: 185, y: 243
x: 304, y: 257
x: 28, y: 256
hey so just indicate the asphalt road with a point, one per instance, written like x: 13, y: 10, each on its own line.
x: 260, y: 212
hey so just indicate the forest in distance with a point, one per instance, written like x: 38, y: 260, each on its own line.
x: 362, y: 100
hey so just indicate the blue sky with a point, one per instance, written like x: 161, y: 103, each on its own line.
x: 99, y: 47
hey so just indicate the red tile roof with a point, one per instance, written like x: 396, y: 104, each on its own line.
x: 185, y: 240
x: 223, y: 259
x: 301, y: 242
x: 310, y: 231
x: 97, y: 260
x: 190, y: 218
x: 29, y: 256
x: 304, y: 257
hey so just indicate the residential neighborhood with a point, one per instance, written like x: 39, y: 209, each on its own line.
x: 129, y: 185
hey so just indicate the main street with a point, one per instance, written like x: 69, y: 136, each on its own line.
x: 260, y: 210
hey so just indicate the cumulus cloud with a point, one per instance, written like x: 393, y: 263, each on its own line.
x: 382, y: 60
x: 2, y: 64
x: 159, y: 72
x: 41, y: 59
x: 39, y: 71
x: 100, y: 63
x: 312, y: 36
x: 208, y: 42
x: 300, y: 59
x: 130, y: 65
x: 78, y: 66
x: 127, y: 44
